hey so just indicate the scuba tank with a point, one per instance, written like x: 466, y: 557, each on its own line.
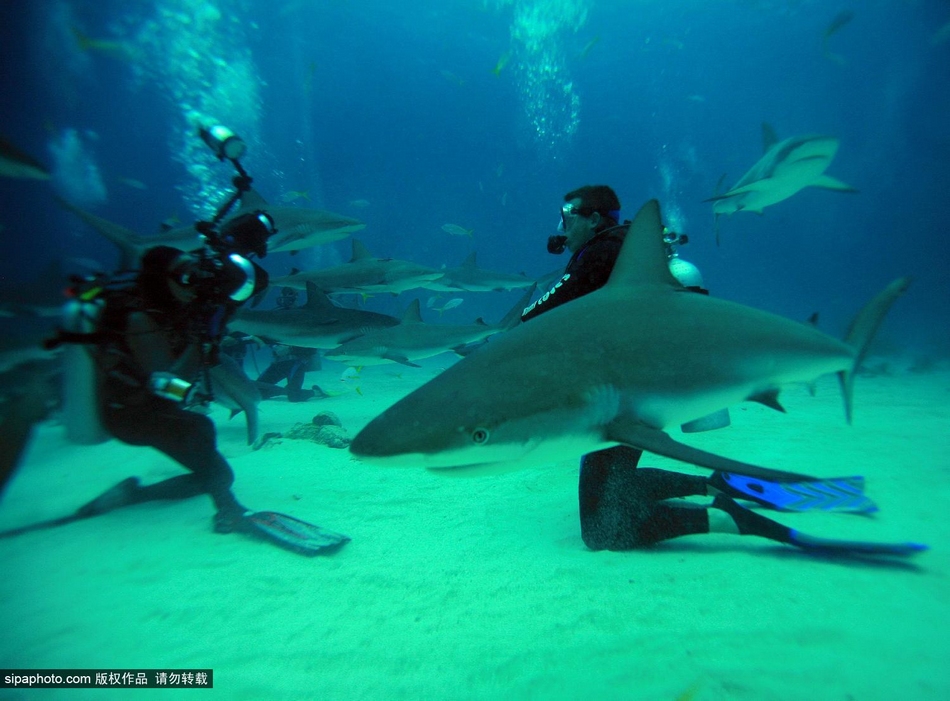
x: 80, y: 395
x: 689, y: 276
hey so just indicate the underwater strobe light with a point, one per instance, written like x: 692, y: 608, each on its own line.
x: 223, y: 142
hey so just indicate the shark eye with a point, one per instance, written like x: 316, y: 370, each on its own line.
x: 480, y: 435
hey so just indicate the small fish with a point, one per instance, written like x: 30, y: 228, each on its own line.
x: 588, y: 46
x: 695, y: 97
x: 451, y: 77
x: 456, y: 230
x: 359, y: 204
x: 502, y: 62
x: 451, y: 304
x: 499, y: 171
x: 504, y: 198
x: 133, y: 183
x: 118, y: 50
x: 292, y: 195
x: 840, y: 20
x: 308, y: 79
x: 941, y: 35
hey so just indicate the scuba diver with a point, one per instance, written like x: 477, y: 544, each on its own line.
x: 142, y: 354
x: 624, y: 506
x: 290, y: 362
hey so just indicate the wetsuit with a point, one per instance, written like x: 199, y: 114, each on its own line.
x: 143, y: 341
x: 292, y: 363
x: 620, y: 504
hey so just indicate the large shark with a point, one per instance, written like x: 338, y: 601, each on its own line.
x: 364, y: 274
x: 617, y: 366
x: 132, y: 246
x: 414, y: 340
x: 786, y: 167
x: 299, y: 227
x: 317, y: 324
x: 470, y: 278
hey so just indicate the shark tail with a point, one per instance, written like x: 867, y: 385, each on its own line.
x: 861, y: 332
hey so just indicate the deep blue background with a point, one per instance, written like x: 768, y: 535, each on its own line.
x: 371, y: 100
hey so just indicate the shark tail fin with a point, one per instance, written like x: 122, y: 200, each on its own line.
x: 862, y: 331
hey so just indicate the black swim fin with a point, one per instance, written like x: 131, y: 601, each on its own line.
x: 292, y: 533
x: 854, y: 547
x: 119, y: 495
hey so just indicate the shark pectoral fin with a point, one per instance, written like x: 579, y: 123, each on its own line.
x: 234, y: 412
x: 757, y: 186
x: 767, y: 397
x: 403, y: 360
x: 829, y: 183
x: 629, y: 432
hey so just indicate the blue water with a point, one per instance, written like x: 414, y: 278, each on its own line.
x: 357, y: 100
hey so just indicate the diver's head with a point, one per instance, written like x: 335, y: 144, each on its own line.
x: 170, y: 275
x: 587, y: 211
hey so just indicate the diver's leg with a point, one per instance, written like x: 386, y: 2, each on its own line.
x: 189, y: 439
x: 619, y: 503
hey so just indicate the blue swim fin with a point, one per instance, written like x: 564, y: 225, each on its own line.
x: 844, y: 494
x: 751, y: 523
x: 854, y: 547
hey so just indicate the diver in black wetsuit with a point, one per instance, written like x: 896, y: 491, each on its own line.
x: 623, y: 506
x: 156, y: 344
x: 290, y: 362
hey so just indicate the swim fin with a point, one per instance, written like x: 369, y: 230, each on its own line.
x: 118, y: 495
x: 292, y: 533
x: 854, y: 547
x: 842, y: 494
x: 751, y: 523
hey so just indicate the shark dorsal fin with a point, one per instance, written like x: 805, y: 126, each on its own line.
x: 316, y: 298
x: 251, y: 200
x: 469, y: 261
x: 769, y: 137
x: 413, y: 313
x: 360, y: 252
x: 643, y: 259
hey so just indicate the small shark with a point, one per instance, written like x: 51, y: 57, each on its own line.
x: 14, y: 163
x: 786, y: 167
x: 364, y: 274
x: 469, y: 277
x: 235, y: 390
x: 414, y: 340
x: 299, y: 227
x: 317, y: 324
x: 617, y: 366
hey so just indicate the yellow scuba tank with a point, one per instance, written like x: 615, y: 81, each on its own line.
x: 80, y: 395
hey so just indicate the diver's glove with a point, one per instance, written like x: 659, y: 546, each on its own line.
x: 168, y: 386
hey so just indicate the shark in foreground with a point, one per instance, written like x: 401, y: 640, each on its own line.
x: 617, y: 366
x: 786, y: 167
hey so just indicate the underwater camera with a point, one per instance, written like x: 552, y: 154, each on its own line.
x: 218, y: 277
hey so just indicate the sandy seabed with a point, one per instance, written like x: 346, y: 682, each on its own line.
x: 480, y: 587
